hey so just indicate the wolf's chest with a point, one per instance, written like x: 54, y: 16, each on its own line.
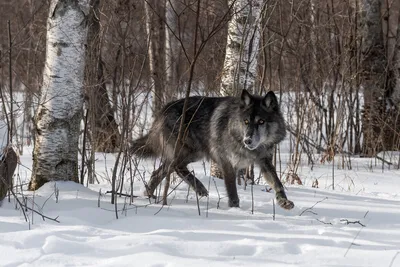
x: 241, y: 158
x: 238, y: 161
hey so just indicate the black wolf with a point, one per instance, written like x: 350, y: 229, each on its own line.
x: 232, y: 131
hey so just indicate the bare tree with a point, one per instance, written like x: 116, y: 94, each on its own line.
x: 374, y: 73
x: 380, y: 119
x: 105, y: 134
x: 57, y: 121
x: 396, y: 69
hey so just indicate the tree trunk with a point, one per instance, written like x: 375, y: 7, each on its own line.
x: 171, y: 49
x: 105, y: 134
x: 155, y: 13
x: 57, y: 121
x: 374, y: 76
x: 240, y: 65
x: 380, y: 118
x: 28, y: 96
x: 8, y: 163
x: 396, y: 71
x: 391, y: 129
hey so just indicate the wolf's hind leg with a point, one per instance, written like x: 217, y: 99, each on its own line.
x: 270, y: 175
x: 191, y: 180
x: 156, y: 177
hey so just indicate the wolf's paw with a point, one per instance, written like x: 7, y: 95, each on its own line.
x: 285, y: 203
x: 201, y: 191
x: 148, y: 193
x: 234, y: 203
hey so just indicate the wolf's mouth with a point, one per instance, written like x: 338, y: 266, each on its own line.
x: 250, y: 147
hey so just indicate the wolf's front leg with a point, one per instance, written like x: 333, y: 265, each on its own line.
x: 270, y: 175
x: 230, y: 183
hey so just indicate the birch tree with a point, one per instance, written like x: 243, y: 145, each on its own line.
x: 171, y: 47
x: 240, y: 65
x: 155, y: 28
x: 58, y: 117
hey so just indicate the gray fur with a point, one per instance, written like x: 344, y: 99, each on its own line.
x: 216, y: 129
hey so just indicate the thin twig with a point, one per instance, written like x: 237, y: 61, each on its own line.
x: 162, y: 206
x: 208, y: 196
x: 219, y: 196
x: 310, y: 208
x: 352, y: 242
x: 273, y: 209
x: 393, y: 259
x: 324, y: 222
x: 252, y: 198
x: 197, y: 197
x: 352, y: 222
x: 33, y: 210
x: 122, y: 194
x: 10, y: 126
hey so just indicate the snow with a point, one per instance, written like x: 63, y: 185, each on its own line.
x: 314, y: 233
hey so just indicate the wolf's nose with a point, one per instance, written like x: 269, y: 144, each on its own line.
x: 247, y: 141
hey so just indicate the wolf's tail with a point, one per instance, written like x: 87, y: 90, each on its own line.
x: 142, y: 148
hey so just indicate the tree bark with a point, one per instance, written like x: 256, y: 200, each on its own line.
x: 105, y: 133
x: 155, y: 13
x: 240, y: 65
x: 8, y: 163
x: 59, y: 113
x: 171, y: 49
x: 396, y: 71
x: 374, y: 77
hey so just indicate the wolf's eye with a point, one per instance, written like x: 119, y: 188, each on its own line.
x: 246, y: 122
x: 261, y: 122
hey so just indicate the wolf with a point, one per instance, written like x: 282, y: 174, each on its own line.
x: 233, y: 131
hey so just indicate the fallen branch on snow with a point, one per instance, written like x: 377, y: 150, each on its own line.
x: 352, y: 222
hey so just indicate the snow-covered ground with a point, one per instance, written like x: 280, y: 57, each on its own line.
x: 314, y: 233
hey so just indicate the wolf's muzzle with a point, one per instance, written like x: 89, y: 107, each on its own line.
x: 249, y: 144
x: 247, y: 141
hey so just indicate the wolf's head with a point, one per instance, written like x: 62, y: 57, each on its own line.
x: 261, y: 120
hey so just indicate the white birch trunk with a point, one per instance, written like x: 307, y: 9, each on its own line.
x: 156, y: 34
x: 313, y: 32
x: 57, y: 122
x: 240, y: 65
x: 171, y: 48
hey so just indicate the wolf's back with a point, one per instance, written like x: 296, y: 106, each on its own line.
x: 142, y: 147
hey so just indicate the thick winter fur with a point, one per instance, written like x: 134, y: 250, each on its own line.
x: 233, y: 131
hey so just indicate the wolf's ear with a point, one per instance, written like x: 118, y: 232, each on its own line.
x: 270, y: 101
x: 246, y: 97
